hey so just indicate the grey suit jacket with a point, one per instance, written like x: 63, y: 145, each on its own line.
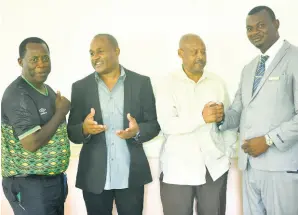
x: 271, y: 110
x: 139, y: 101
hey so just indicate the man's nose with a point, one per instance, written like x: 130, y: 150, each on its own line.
x: 40, y: 62
x: 253, y: 31
x: 200, y: 57
x: 96, y: 57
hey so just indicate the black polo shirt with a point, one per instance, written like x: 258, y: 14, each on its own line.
x: 24, y: 110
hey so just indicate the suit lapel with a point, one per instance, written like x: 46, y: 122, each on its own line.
x: 252, y: 69
x: 95, y: 99
x: 281, y: 53
x: 127, y: 98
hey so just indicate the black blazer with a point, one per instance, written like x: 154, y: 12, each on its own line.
x: 139, y: 101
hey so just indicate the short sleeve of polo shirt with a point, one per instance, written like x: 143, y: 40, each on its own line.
x: 22, y: 114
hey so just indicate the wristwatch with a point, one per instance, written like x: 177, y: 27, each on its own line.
x: 269, y: 141
x: 136, y: 138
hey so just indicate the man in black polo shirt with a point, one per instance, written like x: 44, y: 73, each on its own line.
x: 34, y: 145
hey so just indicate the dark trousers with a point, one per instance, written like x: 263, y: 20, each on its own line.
x: 36, y: 195
x: 128, y: 201
x: 211, y: 197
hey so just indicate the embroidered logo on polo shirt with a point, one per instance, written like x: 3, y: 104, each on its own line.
x: 42, y: 111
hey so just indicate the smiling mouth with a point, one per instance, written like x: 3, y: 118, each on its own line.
x: 257, y: 39
x: 98, y: 64
x: 42, y: 73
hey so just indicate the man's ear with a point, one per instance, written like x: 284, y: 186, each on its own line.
x: 20, y: 61
x: 276, y: 24
x: 180, y: 53
x: 117, y: 52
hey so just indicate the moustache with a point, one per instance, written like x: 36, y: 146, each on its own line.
x: 202, y: 62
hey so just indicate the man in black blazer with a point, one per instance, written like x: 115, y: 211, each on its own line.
x: 112, y: 114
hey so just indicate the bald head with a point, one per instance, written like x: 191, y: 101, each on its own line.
x: 104, y: 54
x: 189, y: 39
x: 110, y: 38
x: 192, y: 51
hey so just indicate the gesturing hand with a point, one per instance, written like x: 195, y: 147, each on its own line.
x: 90, y: 126
x: 131, y: 131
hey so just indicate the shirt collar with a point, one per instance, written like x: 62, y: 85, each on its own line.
x: 272, y: 51
x: 182, y: 75
x: 121, y: 77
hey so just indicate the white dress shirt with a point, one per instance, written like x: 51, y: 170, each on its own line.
x: 272, y: 51
x: 189, y: 147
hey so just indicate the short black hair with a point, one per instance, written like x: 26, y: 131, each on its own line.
x: 260, y: 8
x: 22, y: 47
x: 112, y: 40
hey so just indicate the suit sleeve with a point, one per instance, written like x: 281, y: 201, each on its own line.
x: 286, y: 134
x: 225, y: 141
x: 75, y: 120
x: 233, y: 113
x: 149, y: 127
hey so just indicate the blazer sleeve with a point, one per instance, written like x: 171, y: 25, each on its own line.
x: 225, y: 141
x: 149, y: 127
x: 233, y: 113
x: 75, y: 120
x: 286, y: 134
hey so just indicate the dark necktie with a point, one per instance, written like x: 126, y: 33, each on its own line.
x: 260, y: 72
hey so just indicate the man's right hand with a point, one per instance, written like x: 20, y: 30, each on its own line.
x: 62, y: 104
x: 219, y: 112
x: 212, y: 112
x: 90, y: 126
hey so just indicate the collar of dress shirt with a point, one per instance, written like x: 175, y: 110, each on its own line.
x: 272, y: 51
x: 182, y: 76
x: 121, y: 77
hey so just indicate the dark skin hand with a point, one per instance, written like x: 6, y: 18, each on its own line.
x: 131, y: 131
x: 213, y: 112
x: 255, y: 146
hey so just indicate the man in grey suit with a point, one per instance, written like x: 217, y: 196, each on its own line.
x: 265, y: 111
x: 112, y: 113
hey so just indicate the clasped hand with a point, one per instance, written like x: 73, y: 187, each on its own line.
x: 213, y: 112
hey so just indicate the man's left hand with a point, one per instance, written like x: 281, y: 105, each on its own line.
x: 255, y: 146
x: 131, y: 131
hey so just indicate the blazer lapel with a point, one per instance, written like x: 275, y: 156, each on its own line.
x: 281, y: 53
x: 94, y: 96
x: 127, y: 98
x: 251, y: 71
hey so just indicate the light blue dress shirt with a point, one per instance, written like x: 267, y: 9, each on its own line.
x: 112, y: 104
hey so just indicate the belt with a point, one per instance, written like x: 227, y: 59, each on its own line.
x: 34, y: 176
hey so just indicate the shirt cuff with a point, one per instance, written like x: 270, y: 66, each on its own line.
x: 221, y: 122
x: 275, y: 137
